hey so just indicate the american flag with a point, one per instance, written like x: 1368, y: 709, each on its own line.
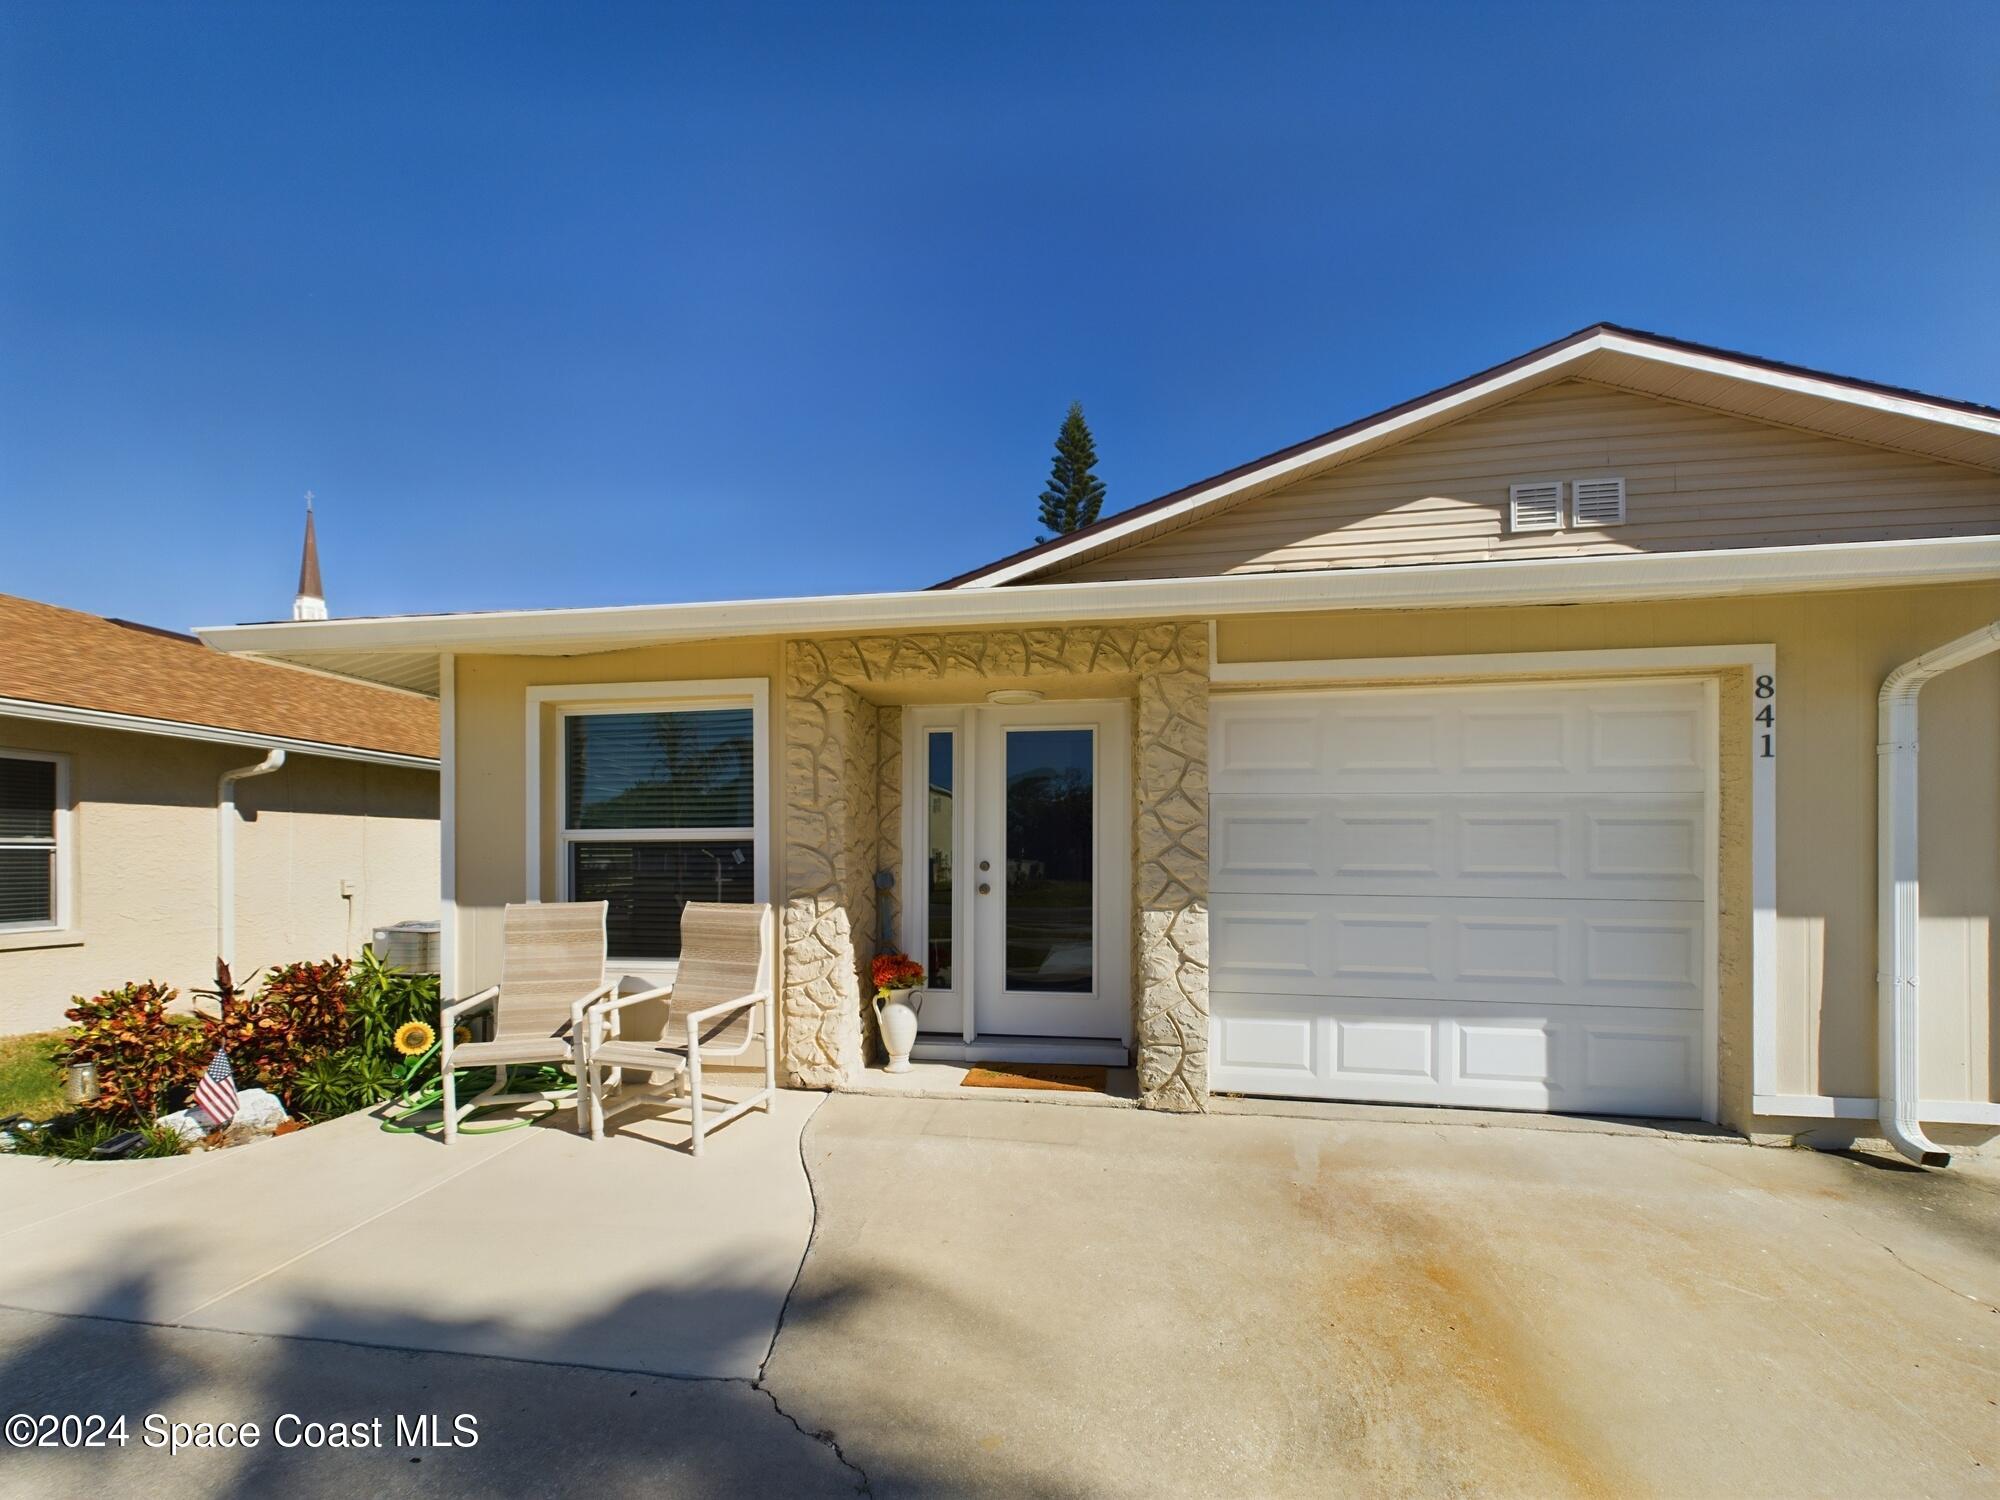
x: 216, y: 1093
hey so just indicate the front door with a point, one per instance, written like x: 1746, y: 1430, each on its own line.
x: 1032, y: 874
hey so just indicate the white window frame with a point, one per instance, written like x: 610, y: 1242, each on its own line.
x: 61, y: 911
x: 914, y: 877
x: 575, y: 700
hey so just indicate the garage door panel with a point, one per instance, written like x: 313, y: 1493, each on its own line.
x: 1513, y: 951
x: 1631, y: 847
x: 1585, y: 736
x: 1577, y: 1059
x: 1486, y: 895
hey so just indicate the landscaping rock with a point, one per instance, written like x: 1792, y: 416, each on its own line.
x: 190, y: 1125
x: 259, y: 1113
x: 259, y: 1109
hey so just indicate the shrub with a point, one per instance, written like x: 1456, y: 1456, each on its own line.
x: 297, y: 1018
x: 74, y: 1137
x: 382, y: 998
x: 146, y: 1059
x: 324, y: 1087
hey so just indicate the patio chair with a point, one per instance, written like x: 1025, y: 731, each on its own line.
x: 551, y: 970
x: 719, y: 1003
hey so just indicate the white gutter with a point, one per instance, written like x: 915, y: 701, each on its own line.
x: 179, y: 729
x: 1560, y: 580
x: 225, y: 852
x: 1896, y: 889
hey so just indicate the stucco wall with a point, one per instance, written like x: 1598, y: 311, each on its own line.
x: 144, y: 866
x: 490, y: 707
x: 1833, y: 652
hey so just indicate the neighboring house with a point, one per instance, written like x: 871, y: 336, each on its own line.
x: 122, y: 829
x: 1514, y: 747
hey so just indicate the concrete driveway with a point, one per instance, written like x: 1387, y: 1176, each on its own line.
x: 1012, y: 1299
x: 1020, y: 1298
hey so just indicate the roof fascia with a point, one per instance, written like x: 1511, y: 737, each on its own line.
x: 101, y: 718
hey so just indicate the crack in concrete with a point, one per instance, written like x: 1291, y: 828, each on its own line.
x: 1915, y: 1271
x: 1865, y: 1238
x: 832, y: 1443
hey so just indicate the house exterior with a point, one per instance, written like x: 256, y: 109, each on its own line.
x: 161, y: 803
x: 1515, y: 747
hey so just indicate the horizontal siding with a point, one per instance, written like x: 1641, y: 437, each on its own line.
x: 1695, y: 479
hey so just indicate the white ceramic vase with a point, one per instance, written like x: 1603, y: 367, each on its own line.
x: 897, y: 1016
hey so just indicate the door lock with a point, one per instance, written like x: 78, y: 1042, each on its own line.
x: 986, y: 864
x: 985, y: 889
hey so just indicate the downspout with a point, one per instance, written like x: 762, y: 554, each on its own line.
x: 225, y: 852
x: 1896, y: 889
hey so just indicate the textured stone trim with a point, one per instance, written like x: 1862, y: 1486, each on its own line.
x: 843, y: 795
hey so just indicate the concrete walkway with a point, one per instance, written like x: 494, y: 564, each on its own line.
x: 530, y: 1244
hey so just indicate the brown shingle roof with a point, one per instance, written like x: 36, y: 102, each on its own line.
x: 51, y: 655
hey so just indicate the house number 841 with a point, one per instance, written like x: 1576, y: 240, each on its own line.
x: 1767, y: 716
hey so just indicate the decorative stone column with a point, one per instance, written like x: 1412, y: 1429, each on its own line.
x: 829, y: 870
x: 1170, y: 867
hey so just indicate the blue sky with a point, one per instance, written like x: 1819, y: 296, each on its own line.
x: 558, y: 305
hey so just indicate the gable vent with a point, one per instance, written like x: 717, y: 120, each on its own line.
x: 1597, y: 502
x: 1535, y: 507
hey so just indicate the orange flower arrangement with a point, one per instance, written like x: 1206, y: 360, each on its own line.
x: 895, y: 971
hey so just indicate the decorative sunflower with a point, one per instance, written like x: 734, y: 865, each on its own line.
x: 460, y: 1035
x: 413, y: 1037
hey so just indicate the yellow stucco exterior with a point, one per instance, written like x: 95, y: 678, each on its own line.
x: 1832, y: 652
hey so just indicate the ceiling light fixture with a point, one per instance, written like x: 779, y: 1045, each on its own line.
x: 1013, y: 697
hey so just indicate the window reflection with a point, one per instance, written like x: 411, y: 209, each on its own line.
x: 1050, y: 896
x: 940, y: 824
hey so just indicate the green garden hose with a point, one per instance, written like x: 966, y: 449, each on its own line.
x: 411, y: 1102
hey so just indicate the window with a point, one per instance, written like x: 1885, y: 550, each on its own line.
x: 661, y: 805
x: 34, y: 829
x: 941, y: 837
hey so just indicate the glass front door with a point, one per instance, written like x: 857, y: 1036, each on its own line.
x: 1048, y: 953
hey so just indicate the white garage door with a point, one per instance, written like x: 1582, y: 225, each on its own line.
x: 1491, y: 896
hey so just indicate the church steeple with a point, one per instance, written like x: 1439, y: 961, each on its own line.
x: 310, y: 602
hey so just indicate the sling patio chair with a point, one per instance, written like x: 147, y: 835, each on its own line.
x: 719, y: 1003
x: 551, y: 970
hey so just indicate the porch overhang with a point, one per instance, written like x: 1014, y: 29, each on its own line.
x: 403, y: 650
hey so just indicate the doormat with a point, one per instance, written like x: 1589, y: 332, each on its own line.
x: 1073, y: 1078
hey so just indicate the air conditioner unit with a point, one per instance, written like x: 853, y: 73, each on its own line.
x: 413, y: 947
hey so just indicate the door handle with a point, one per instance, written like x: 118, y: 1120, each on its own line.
x: 985, y: 889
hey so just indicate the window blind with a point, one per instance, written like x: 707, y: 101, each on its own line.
x: 647, y: 883
x: 687, y: 769
x: 27, y: 799
x: 27, y: 884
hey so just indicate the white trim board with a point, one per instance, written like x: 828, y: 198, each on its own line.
x: 1760, y: 660
x: 1625, y: 577
x: 1851, y: 1107
x: 98, y: 718
x: 448, y: 966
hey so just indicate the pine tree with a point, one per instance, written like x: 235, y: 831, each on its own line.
x: 1075, y: 494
